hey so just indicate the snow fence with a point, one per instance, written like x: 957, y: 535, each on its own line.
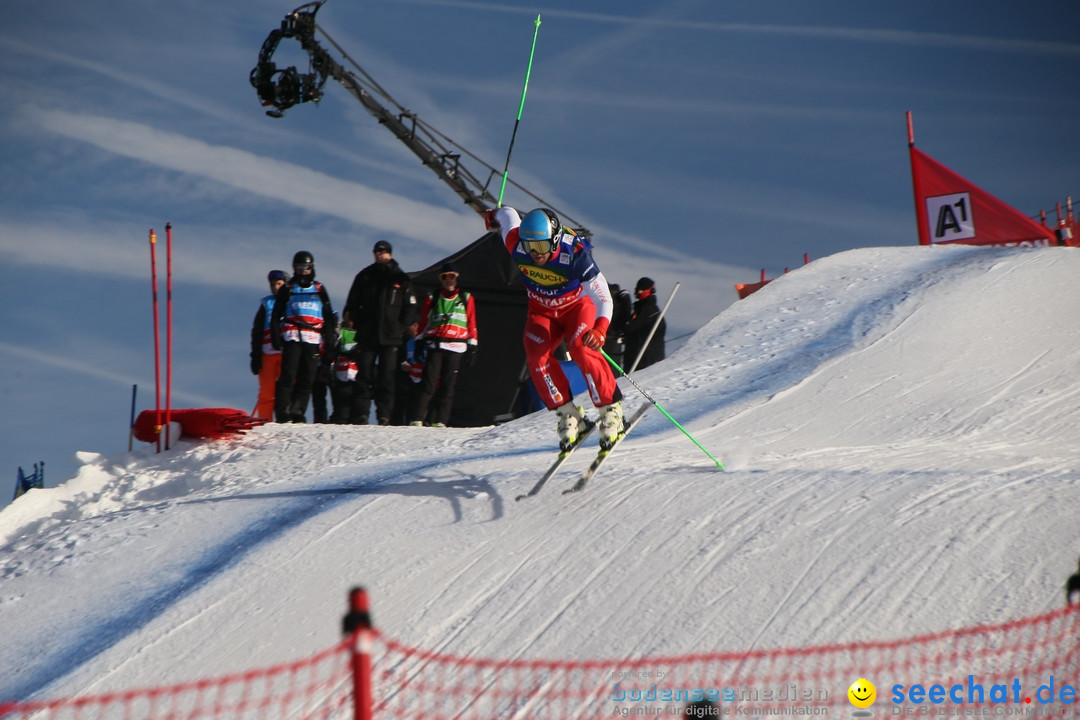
x: 1028, y: 668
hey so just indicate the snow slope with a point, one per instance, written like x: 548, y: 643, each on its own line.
x: 899, y: 426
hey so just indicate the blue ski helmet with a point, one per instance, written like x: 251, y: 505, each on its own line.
x: 539, y: 231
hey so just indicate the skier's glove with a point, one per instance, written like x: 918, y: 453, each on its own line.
x: 593, y: 339
x: 256, y: 364
x: 470, y: 356
x: 489, y: 220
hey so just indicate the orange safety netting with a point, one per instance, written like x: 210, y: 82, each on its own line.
x: 317, y: 688
x: 1028, y: 667
x: 411, y: 683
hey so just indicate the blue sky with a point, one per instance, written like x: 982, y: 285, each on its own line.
x: 700, y: 141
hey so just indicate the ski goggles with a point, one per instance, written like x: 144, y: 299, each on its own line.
x: 303, y: 268
x: 540, y: 247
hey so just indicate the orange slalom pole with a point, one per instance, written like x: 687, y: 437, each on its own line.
x: 157, y: 339
x: 168, y: 339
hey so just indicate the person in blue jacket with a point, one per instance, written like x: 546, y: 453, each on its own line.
x: 265, y: 360
x: 301, y: 321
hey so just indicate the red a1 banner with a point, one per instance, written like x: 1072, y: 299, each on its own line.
x: 950, y: 209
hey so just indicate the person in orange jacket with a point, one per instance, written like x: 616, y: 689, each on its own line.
x: 265, y: 359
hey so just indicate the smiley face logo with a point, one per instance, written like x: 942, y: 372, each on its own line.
x: 862, y: 693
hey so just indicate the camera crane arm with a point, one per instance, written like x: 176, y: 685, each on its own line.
x: 282, y: 88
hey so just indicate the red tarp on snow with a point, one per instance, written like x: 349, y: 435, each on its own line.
x: 210, y: 423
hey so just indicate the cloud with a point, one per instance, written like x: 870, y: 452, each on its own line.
x: 155, y: 89
x: 250, y: 122
x: 864, y: 35
x: 274, y: 179
x: 70, y: 367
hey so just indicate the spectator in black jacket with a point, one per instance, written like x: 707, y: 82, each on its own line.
x: 381, y: 308
x: 640, y: 325
x: 615, y: 346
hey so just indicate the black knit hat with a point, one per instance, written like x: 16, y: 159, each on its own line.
x: 383, y: 246
x: 645, y: 284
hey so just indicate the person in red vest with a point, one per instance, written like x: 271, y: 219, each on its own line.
x: 448, y: 328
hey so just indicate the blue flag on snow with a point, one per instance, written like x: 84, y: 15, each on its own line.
x: 26, y: 482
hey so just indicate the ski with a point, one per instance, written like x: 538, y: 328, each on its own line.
x: 603, y: 454
x: 563, y: 455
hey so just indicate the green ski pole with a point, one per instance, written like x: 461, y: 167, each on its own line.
x: 665, y: 412
x: 521, y: 107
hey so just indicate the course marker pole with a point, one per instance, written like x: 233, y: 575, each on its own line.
x: 665, y: 412
x: 521, y: 107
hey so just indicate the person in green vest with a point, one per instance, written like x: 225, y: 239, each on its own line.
x: 448, y: 329
x: 343, y: 379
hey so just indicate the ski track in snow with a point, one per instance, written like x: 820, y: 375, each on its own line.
x: 896, y: 466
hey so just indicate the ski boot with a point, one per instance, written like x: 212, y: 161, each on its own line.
x: 611, y: 424
x: 572, y: 422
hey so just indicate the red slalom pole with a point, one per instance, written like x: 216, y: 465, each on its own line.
x: 157, y: 339
x: 357, y: 626
x: 168, y: 339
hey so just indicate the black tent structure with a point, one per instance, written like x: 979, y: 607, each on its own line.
x: 490, y: 391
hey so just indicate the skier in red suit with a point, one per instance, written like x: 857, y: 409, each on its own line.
x: 568, y: 300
